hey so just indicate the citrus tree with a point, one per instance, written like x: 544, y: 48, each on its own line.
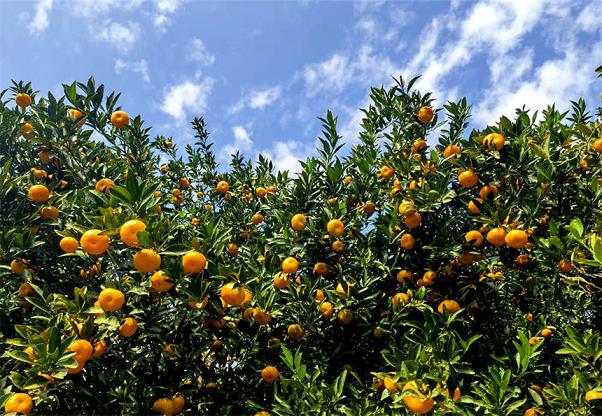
x: 392, y: 277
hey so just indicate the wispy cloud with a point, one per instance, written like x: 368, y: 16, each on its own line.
x: 140, y: 67
x: 257, y: 99
x: 164, y: 9
x: 120, y: 36
x: 187, y: 97
x: 40, y: 21
x: 197, y: 52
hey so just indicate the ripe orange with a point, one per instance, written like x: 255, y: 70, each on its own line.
x: 83, y: 350
x: 257, y: 218
x: 38, y: 193
x: 74, y: 114
x: 147, y: 260
x: 451, y: 150
x: 338, y: 246
x: 413, y: 220
x: 450, y: 305
x: 347, y: 180
x: 546, y: 333
x: 25, y: 290
x: 270, y: 374
x: 281, y: 280
x: 39, y: 173
x: 468, y: 178
x: 100, y: 347
x: 19, y: 403
x: 406, y: 207
x: 407, y: 241
x: 497, y: 236
x: 369, y: 208
x: 533, y: 411
x: 44, y: 156
x: 425, y: 114
x: 49, y: 213
x: 400, y: 298
x: 222, y: 187
x: 23, y: 100
x: 488, y: 190
x: 183, y: 183
x: 298, y: 222
x: 335, y: 228
x: 290, y: 265
x: 178, y: 403
x: 565, y: 266
x: 104, y: 184
x: 233, y: 249
x: 321, y: 268
x: 261, y: 317
x: 343, y: 290
x: 429, y: 277
x: 474, y: 237
x: 18, y: 266
x: 93, y: 242
x: 474, y: 206
x: 160, y: 282
x: 345, y: 316
x: 120, y: 119
x: 420, y: 402
x: 260, y: 192
x: 111, y: 299
x: 386, y: 172
x: 593, y: 395
x: 128, y: 328
x: 68, y: 244
x: 232, y: 295
x: 522, y: 260
x: 295, y: 332
x: 165, y: 406
x: 419, y: 145
x: 404, y: 275
x: 494, y: 141
x: 326, y: 309
x: 597, y: 146
x: 193, y: 262
x: 391, y: 386
x: 129, y: 232
x: 517, y: 239
x: 534, y: 341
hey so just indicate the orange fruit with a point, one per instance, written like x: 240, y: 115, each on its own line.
x: 222, y: 187
x: 18, y: 266
x: 343, y: 290
x: 270, y: 374
x: 147, y: 260
x: 338, y: 246
x: 475, y: 206
x: 25, y: 290
x: 178, y: 403
x: 68, y: 244
x: 19, y: 403
x: 593, y: 395
x: 120, y: 119
x: 93, y: 242
x: 295, y: 332
x: 83, y: 350
x: 165, y: 406
x: 183, y: 183
x: 298, y: 222
x: 100, y: 347
x: 429, y: 277
x: 413, y: 220
x: 104, y: 184
x: 326, y: 309
x: 111, y: 299
x: 474, y: 237
x: 386, y: 172
x: 260, y: 192
x: 347, y: 180
x: 44, y: 156
x: 290, y: 265
x: 319, y: 295
x: 233, y: 295
x: 546, y: 333
x: 257, y: 218
x: 497, y: 236
x: 425, y: 114
x: 345, y: 316
x: 335, y: 228
x: 450, y: 305
x: 193, y: 262
x: 468, y: 178
x: 565, y: 266
x: 77, y: 369
x: 38, y: 193
x: 128, y: 328
x: 407, y: 241
x: 129, y: 232
x: 404, y: 275
x: 494, y: 141
x: 391, y: 386
x: 369, y: 208
x: 23, y: 99
x: 451, y: 150
x: 406, y: 207
x: 533, y: 341
x: 487, y: 190
x: 281, y: 281
x: 533, y: 411
x: 516, y: 239
x: 160, y: 282
x: 321, y: 268
x: 597, y: 146
x: 233, y: 249
x: 420, y: 402
x: 400, y: 298
x: 49, y: 213
x: 74, y: 114
x: 419, y: 145
x: 272, y: 189
x: 261, y: 317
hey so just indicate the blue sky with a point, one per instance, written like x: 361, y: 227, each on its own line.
x: 262, y: 72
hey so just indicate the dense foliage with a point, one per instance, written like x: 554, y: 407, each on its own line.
x: 472, y: 266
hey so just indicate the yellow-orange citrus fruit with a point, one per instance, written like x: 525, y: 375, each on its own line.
x: 129, y: 232
x: 404, y: 275
x: 407, y: 241
x: 233, y: 295
x: 488, y: 190
x: 497, y: 236
x: 257, y: 218
x: 260, y: 192
x: 516, y: 239
x: 494, y: 141
x: 321, y: 268
x: 270, y: 374
x: 338, y: 246
x: 295, y: 332
x: 104, y: 184
x: 400, y: 298
x: 451, y: 306
x: 147, y: 261
x: 281, y: 280
x: 19, y: 403
x: 120, y: 119
x: 593, y: 395
x: 128, y: 328
x: 326, y: 309
x: 160, y: 282
x: 386, y: 172
x: 193, y: 262
x: 298, y: 222
x: 468, y: 178
x: 38, y: 193
x: 335, y: 228
x: 474, y: 206
x: 18, y: 266
x: 100, y: 347
x: 25, y: 289
x: 68, y: 244
x: 290, y: 265
x: 222, y: 187
x: 425, y: 114
x: 597, y: 146
x: 93, y: 242
x: 420, y: 402
x: 74, y: 115
x: 49, y: 213
x: 23, y: 99
x: 111, y: 299
x: 345, y: 316
x: 413, y: 219
x: 406, y: 207
x: 546, y: 333
x: 451, y: 150
x: 261, y: 317
x: 565, y: 266
x: 165, y: 406
x: 474, y: 237
x: 82, y: 348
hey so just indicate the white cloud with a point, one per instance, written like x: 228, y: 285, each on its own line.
x: 165, y: 8
x: 180, y: 99
x: 120, y: 36
x: 332, y: 74
x: 40, y: 20
x: 98, y: 8
x: 197, y: 52
x: 590, y: 18
x: 285, y: 155
x: 242, y: 142
x: 257, y: 99
x: 139, y: 67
